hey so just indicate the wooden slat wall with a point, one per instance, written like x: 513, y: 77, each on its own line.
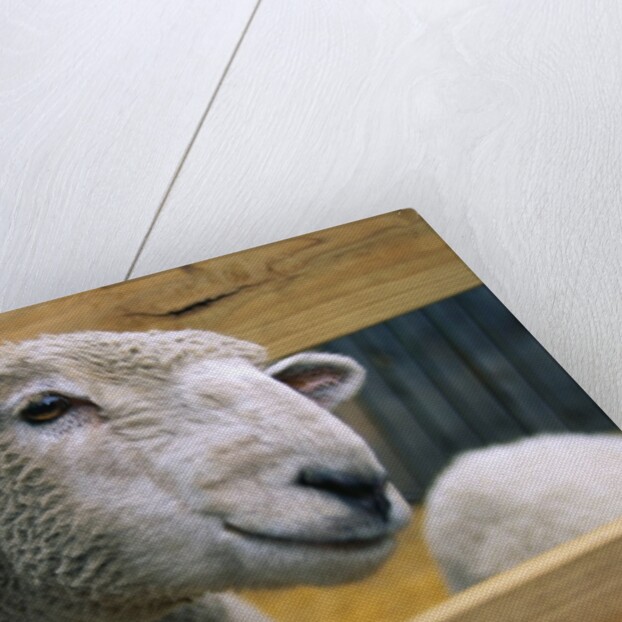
x: 458, y: 374
x: 556, y: 387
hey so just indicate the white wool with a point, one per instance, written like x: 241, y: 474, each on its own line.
x: 175, y: 472
x: 493, y: 508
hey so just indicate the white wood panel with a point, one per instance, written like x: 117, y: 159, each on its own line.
x: 98, y: 102
x: 499, y: 120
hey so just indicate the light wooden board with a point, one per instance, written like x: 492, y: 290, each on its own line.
x: 98, y: 103
x: 498, y: 120
x: 288, y: 296
x: 575, y: 582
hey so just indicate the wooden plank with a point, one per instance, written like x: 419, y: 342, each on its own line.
x: 575, y: 582
x: 289, y: 296
x: 410, y: 384
x: 461, y: 386
x: 98, y: 104
x: 509, y: 387
x: 574, y: 407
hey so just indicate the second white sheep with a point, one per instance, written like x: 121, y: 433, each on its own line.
x: 494, y: 508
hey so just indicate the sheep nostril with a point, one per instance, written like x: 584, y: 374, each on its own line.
x: 368, y: 492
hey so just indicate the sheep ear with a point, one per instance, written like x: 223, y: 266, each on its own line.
x: 327, y: 379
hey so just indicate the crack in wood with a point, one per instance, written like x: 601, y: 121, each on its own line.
x: 199, y: 304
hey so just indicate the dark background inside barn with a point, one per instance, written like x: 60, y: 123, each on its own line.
x: 458, y: 374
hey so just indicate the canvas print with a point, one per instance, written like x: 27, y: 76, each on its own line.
x: 343, y: 426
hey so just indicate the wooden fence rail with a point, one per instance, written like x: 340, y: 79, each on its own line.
x: 288, y: 296
x: 575, y: 582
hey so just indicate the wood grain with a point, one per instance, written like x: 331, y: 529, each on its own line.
x: 98, y: 103
x: 575, y: 582
x: 499, y: 122
x: 288, y: 296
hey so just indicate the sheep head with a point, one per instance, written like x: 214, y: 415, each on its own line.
x: 161, y: 465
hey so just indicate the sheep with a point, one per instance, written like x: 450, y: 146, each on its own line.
x: 496, y: 507
x: 145, y: 475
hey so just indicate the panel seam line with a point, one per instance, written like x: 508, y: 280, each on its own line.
x: 195, y: 135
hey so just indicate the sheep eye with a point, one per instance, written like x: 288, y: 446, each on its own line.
x: 46, y: 407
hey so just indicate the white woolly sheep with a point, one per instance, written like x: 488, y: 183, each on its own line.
x: 494, y: 508
x: 139, y: 471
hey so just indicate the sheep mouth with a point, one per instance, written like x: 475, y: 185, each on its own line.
x: 352, y: 544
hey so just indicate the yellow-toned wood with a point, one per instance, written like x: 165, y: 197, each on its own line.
x: 407, y: 584
x: 288, y: 296
x: 578, y: 581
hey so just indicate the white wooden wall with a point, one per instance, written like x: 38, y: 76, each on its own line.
x: 138, y: 136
